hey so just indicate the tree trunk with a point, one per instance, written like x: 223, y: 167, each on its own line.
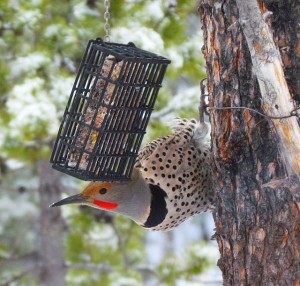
x: 285, y: 23
x: 257, y: 217
x: 51, y: 252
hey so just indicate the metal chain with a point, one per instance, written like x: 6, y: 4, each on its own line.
x: 106, y: 18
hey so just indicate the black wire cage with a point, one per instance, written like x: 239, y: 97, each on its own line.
x: 108, y: 111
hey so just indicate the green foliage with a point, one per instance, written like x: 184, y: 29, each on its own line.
x: 114, y: 247
x: 191, y: 263
x: 41, y: 43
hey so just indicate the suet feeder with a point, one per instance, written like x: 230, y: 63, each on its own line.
x: 108, y: 111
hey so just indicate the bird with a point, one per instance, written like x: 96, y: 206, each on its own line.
x: 171, y: 181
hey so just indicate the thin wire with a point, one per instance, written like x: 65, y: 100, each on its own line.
x: 202, y: 107
x: 106, y: 18
x: 292, y: 113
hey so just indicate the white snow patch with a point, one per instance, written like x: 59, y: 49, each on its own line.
x: 185, y: 97
x: 192, y: 46
x: 78, y: 279
x: 206, y: 250
x: 28, y: 64
x: 103, y: 235
x: 52, y: 30
x: 14, y: 164
x: 68, y: 211
x: 31, y: 109
x: 8, y: 209
x: 60, y: 90
x: 35, y: 2
x: 66, y: 35
x: 29, y: 17
x: 81, y: 10
x: 175, y: 57
x: 125, y: 281
x: 154, y: 10
x: 13, y: 4
x: 142, y: 37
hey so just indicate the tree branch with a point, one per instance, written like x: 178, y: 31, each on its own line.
x: 267, y: 65
x: 29, y: 260
x: 16, y: 278
x: 103, y: 268
x: 27, y: 263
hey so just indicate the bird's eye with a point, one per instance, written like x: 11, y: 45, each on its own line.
x: 102, y: 191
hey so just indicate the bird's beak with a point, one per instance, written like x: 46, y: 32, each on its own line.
x: 76, y: 199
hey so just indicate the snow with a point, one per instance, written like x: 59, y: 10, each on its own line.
x: 60, y: 91
x: 13, y: 4
x: 103, y: 236
x: 13, y: 164
x: 211, y: 275
x: 154, y: 10
x: 124, y: 281
x: 65, y: 34
x: 33, y: 103
x: 52, y: 30
x: 78, y: 279
x: 172, y: 3
x: 158, y: 243
x: 206, y: 250
x: 29, y: 17
x: 35, y: 2
x: 142, y: 37
x: 8, y: 209
x: 175, y: 56
x: 185, y: 238
x: 68, y: 211
x: 31, y: 109
x: 81, y: 10
x: 28, y: 64
x: 191, y: 47
x: 184, y: 98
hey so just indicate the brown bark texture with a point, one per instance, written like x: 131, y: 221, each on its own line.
x: 51, y: 254
x: 258, y: 206
x: 285, y: 23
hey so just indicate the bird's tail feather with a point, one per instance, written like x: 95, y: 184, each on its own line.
x: 200, y: 131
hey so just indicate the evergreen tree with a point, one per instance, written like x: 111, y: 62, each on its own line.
x: 41, y: 45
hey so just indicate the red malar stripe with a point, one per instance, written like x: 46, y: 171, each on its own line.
x: 105, y: 205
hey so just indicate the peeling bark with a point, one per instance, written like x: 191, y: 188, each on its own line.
x: 276, y: 98
x: 258, y: 213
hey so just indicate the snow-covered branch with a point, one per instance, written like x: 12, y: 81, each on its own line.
x: 102, y: 268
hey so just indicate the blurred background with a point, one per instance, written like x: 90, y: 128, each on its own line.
x: 41, y: 46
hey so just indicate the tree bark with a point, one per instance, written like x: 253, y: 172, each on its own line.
x: 285, y: 23
x: 276, y: 99
x: 51, y: 251
x: 257, y: 217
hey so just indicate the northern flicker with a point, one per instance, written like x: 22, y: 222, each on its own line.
x: 171, y: 181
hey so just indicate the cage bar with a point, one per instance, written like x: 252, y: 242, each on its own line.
x: 108, y: 111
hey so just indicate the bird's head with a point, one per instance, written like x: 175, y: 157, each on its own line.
x: 128, y: 198
x: 98, y: 195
